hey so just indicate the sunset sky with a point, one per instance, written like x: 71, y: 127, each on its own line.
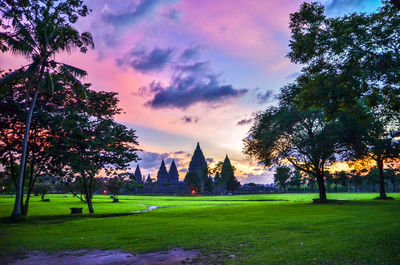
x: 192, y: 71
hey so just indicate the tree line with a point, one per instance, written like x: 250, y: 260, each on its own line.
x: 287, y: 180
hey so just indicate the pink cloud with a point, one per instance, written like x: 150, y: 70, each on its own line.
x: 251, y: 29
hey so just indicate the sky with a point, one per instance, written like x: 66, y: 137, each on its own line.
x: 191, y: 71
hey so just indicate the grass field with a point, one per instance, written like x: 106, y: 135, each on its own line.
x: 257, y: 229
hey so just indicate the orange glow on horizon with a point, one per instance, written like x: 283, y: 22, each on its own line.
x: 362, y: 165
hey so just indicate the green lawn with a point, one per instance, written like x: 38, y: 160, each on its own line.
x: 257, y: 229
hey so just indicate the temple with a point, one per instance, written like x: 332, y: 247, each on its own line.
x: 173, y: 173
x: 168, y: 182
x: 138, y: 175
x: 162, y: 175
x: 198, y: 164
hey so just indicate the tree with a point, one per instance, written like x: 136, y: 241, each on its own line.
x: 218, y: 167
x: 90, y: 141
x: 295, y: 179
x: 96, y: 144
x: 342, y: 178
x: 347, y: 58
x: 39, y: 156
x: 369, y: 135
x: 209, y: 185
x: 114, y: 186
x: 281, y: 177
x: 305, y: 139
x: 42, y: 188
x: 38, y: 30
x: 372, y: 178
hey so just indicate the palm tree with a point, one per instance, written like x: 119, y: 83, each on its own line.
x: 38, y: 31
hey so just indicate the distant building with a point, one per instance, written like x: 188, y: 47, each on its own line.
x: 198, y: 164
x: 138, y: 175
x: 173, y: 173
x: 149, y: 179
x: 162, y: 175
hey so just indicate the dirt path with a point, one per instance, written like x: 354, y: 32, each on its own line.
x: 117, y: 257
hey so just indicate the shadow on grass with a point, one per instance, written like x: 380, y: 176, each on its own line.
x: 60, y: 219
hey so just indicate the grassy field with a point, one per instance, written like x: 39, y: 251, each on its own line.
x: 257, y: 229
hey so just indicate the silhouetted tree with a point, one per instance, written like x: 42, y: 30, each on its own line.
x: 295, y: 179
x: 209, y: 185
x: 305, y: 139
x: 114, y: 186
x: 281, y: 177
x: 38, y: 30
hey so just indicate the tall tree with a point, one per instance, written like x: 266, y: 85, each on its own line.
x: 38, y: 30
x: 39, y: 157
x: 305, y: 139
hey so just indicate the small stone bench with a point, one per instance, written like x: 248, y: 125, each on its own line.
x: 76, y: 210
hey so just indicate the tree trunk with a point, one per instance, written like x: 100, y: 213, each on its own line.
x: 321, y: 187
x: 88, y: 195
x: 17, y: 212
x: 26, y: 205
x: 382, y: 193
x: 89, y: 201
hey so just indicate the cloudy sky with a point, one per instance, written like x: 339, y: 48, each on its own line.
x: 191, y: 71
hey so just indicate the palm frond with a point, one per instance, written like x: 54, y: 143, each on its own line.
x: 23, y: 31
x: 78, y: 88
x: 76, y: 72
x: 87, y: 39
x: 12, y: 76
x: 19, y: 47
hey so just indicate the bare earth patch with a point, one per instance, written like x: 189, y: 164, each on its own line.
x: 173, y: 256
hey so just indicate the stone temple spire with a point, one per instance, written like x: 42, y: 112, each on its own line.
x: 149, y: 180
x: 138, y: 175
x: 198, y: 164
x: 227, y: 170
x: 162, y: 175
x: 173, y: 173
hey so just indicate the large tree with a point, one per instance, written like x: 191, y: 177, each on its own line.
x: 39, y: 30
x: 347, y: 58
x: 91, y: 141
x: 304, y: 139
x: 95, y: 145
x: 39, y: 156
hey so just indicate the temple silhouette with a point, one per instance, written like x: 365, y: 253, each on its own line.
x: 168, y: 182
